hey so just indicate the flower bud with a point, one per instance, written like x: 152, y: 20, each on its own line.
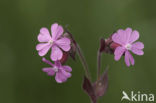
x: 108, y: 46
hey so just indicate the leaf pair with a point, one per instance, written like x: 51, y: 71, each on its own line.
x: 96, y: 89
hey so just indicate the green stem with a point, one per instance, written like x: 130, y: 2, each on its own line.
x: 98, y: 64
x: 81, y: 56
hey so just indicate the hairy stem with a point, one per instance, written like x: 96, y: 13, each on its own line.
x: 98, y: 64
x: 81, y: 56
x: 83, y: 61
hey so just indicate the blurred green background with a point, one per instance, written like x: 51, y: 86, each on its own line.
x: 21, y: 78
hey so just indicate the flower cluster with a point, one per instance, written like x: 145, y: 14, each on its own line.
x: 126, y: 39
x: 62, y: 45
x: 121, y: 43
x: 58, y: 43
x: 62, y: 72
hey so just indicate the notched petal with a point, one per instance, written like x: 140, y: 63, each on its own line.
x: 56, y: 30
x: 119, y: 51
x: 56, y: 53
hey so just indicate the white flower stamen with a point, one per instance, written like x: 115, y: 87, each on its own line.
x: 51, y: 41
x: 128, y: 46
x: 55, y: 69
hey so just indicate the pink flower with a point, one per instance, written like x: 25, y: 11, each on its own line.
x: 62, y: 72
x: 126, y: 39
x: 56, y: 42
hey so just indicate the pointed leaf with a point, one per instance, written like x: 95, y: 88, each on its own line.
x: 101, y: 85
x: 88, y: 88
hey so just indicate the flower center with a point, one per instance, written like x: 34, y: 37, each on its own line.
x: 128, y: 46
x: 55, y: 69
x: 51, y: 41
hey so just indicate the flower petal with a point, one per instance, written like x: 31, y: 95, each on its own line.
x: 128, y: 58
x: 131, y: 59
x: 64, y: 43
x: 65, y: 47
x: 60, y: 77
x: 119, y: 52
x: 120, y: 37
x: 138, y: 45
x: 67, y: 68
x: 43, y: 49
x: 67, y: 74
x: 44, y: 35
x: 56, y: 31
x: 56, y: 53
x: 137, y: 51
x: 134, y: 36
x: 49, y: 71
x: 40, y: 46
x: 128, y: 33
x: 137, y: 48
x: 117, y: 38
x: 123, y: 36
